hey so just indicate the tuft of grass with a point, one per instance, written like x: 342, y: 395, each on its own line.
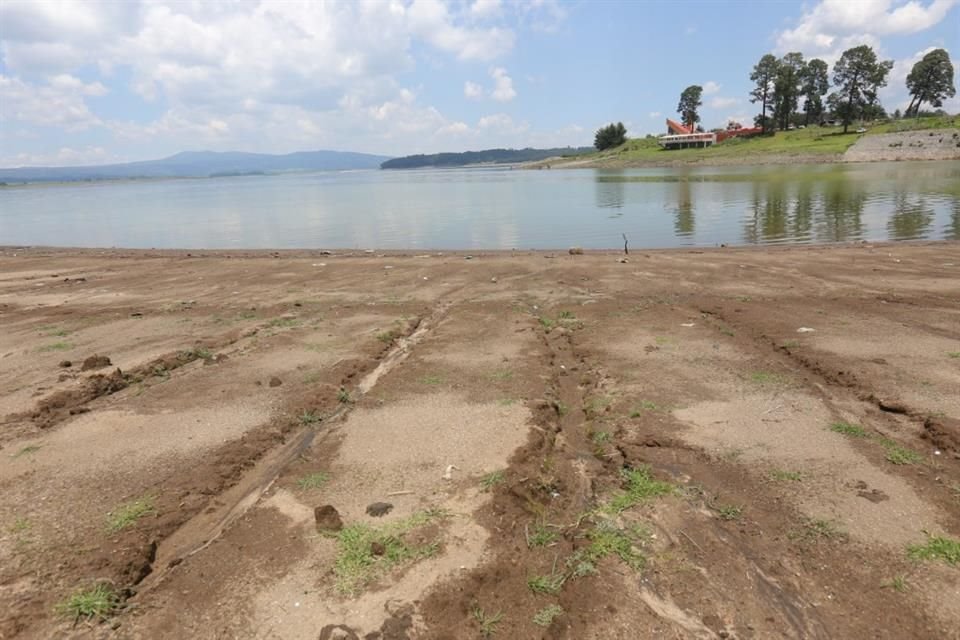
x: 313, y: 480
x: 502, y: 374
x: 547, y: 584
x: 432, y: 380
x: 343, y: 396
x: 729, y: 511
x: 56, y: 332
x: 56, y: 346
x: 488, y: 622
x: 897, y: 454
x: 606, y: 539
x: 27, y: 450
x: 546, y: 322
x: 953, y: 354
x: 848, y: 429
x: 640, y: 486
x: 506, y: 402
x: 20, y: 525
x: 99, y: 602
x: 284, y: 323
x: 812, y: 530
x: 765, y: 377
x: 309, y: 417
x: 783, y: 475
x: 600, y: 438
x: 546, y: 616
x: 387, y: 336
x: 645, y: 405
x: 312, y: 377
x: 541, y: 536
x: 936, y: 548
x: 196, y: 353
x: 492, y: 479
x: 567, y: 315
x: 898, y: 584
x: 790, y: 344
x: 356, y: 565
x: 128, y: 513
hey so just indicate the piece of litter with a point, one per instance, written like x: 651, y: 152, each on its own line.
x: 805, y: 330
x: 425, y: 278
x: 448, y: 474
x: 687, y: 324
x: 387, y: 267
x: 936, y: 452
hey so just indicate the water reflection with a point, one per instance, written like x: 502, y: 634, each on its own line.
x: 841, y: 211
x: 609, y: 191
x: 684, y: 222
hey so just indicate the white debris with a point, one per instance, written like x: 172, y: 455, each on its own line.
x: 805, y: 330
x: 687, y: 324
x: 448, y: 474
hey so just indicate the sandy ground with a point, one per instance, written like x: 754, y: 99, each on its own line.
x: 571, y: 446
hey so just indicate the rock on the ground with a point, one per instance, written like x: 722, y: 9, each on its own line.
x: 378, y: 509
x: 95, y: 362
x: 328, y: 518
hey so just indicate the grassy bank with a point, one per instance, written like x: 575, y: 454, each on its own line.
x: 813, y: 144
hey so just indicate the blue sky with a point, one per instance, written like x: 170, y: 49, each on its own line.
x: 90, y: 83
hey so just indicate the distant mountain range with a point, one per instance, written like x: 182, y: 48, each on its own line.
x: 488, y: 156
x: 201, y: 164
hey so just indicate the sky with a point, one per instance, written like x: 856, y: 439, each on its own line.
x: 87, y: 82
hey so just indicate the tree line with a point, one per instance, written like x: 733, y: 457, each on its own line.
x: 780, y: 84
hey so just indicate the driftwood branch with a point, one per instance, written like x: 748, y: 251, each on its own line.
x: 625, y: 249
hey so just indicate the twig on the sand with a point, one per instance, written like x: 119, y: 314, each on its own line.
x: 772, y: 409
x: 399, y: 493
x: 684, y: 534
x: 625, y: 249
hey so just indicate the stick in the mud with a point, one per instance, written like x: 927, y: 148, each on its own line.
x: 625, y: 250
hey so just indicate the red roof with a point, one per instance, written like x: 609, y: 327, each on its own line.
x: 678, y: 128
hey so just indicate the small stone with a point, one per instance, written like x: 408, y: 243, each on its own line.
x: 377, y: 548
x: 623, y: 260
x: 493, y: 280
x: 328, y: 518
x: 66, y: 364
x: 379, y: 509
x: 275, y: 381
x: 95, y: 362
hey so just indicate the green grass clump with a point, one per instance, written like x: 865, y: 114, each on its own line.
x: 128, y: 513
x: 56, y: 346
x: 898, y: 584
x: 283, y: 323
x: 606, y: 539
x: 937, y: 548
x: 640, y: 486
x: 309, y: 417
x: 600, y: 438
x: 901, y: 455
x: 812, y: 530
x: 848, y: 429
x: 953, y: 354
x: 343, y: 397
x: 387, y: 336
x: 502, y: 374
x: 97, y: 602
x: 196, y: 353
x: 432, y: 380
x: 729, y: 511
x: 783, y: 475
x: 313, y: 480
x: 546, y: 616
x: 765, y: 377
x: 20, y: 525
x: 488, y: 622
x: 492, y: 479
x: 27, y: 450
x: 546, y: 322
x: 356, y: 564
x: 541, y: 536
x: 547, y: 584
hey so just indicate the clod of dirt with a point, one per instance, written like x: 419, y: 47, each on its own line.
x: 328, y: 518
x: 66, y: 364
x: 576, y: 251
x: 379, y: 509
x: 338, y: 632
x: 95, y: 362
x: 377, y: 548
x: 944, y: 433
x: 275, y: 381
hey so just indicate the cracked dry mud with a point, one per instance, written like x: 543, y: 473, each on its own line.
x: 573, y: 446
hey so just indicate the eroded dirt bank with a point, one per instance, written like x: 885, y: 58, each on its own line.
x: 731, y: 443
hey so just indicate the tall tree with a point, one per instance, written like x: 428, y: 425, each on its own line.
x: 612, y: 135
x: 858, y: 75
x: 816, y: 83
x: 689, y: 104
x: 931, y: 81
x: 786, y: 87
x: 763, y: 75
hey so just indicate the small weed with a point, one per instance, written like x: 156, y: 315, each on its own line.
x: 546, y: 616
x: 387, y: 336
x: 901, y: 455
x: 283, y: 323
x: 812, y: 530
x: 506, y: 402
x: 97, y: 602
x: 546, y: 322
x: 541, y: 536
x: 56, y: 332
x: 790, y: 344
x: 197, y: 353
x: 782, y: 475
x: 356, y: 565
x: 727, y: 331
x: 308, y: 418
x: 765, y: 377
x: 645, y: 405
x: 312, y: 377
x: 936, y: 548
x: 547, y: 584
x: 313, y: 481
x: 581, y: 564
x: 502, y: 374
x: 128, y: 513
x: 953, y: 354
x: 492, y: 479
x: 600, y: 438
x: 562, y: 409
x: 27, y: 450
x: 847, y: 429
x: 20, y: 525
x: 640, y: 487
x: 597, y: 404
x: 56, y: 346
x: 432, y: 380
x: 488, y: 623
x: 606, y: 539
x: 729, y: 511
x: 567, y: 315
x: 343, y: 396
x: 898, y: 584
x: 246, y: 315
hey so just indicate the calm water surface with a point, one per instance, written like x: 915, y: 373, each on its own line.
x: 497, y: 208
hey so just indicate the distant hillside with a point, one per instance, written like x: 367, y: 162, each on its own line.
x: 489, y: 156
x: 201, y: 164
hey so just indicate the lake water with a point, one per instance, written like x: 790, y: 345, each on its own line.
x: 496, y: 208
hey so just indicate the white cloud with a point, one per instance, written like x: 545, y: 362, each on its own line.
x: 454, y: 128
x: 720, y: 102
x: 503, y: 90
x: 502, y: 123
x: 60, y: 102
x: 483, y: 9
x: 710, y: 87
x: 833, y: 24
x: 654, y: 114
x: 472, y: 90
x: 430, y: 20
x: 62, y: 156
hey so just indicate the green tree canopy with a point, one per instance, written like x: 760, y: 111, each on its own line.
x: 930, y: 81
x: 816, y: 83
x: 612, y: 135
x: 857, y: 75
x: 786, y: 87
x: 689, y: 105
x: 763, y: 75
